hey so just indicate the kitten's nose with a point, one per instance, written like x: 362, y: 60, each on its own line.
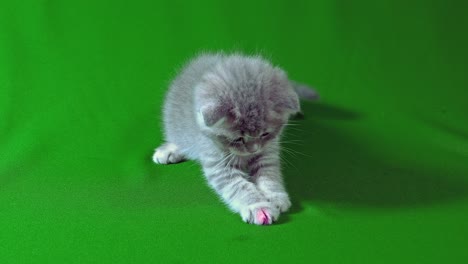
x: 252, y: 148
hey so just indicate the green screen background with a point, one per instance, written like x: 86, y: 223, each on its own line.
x: 381, y: 169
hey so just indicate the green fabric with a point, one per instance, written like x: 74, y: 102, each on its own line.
x: 378, y: 171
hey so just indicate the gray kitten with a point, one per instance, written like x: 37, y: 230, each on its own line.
x: 228, y: 112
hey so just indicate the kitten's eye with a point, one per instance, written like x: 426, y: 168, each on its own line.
x: 238, y: 140
x: 265, y: 134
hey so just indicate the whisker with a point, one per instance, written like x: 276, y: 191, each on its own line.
x: 231, y: 158
x: 296, y: 142
x: 220, y: 163
x: 290, y: 128
x: 290, y: 152
x: 292, y: 141
x: 293, y: 151
x: 283, y: 159
x: 291, y: 124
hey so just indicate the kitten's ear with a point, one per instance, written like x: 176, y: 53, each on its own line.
x: 215, y: 115
x: 210, y: 115
x: 283, y: 95
x: 289, y: 105
x: 292, y: 104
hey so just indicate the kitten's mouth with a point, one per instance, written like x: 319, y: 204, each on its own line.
x: 243, y: 154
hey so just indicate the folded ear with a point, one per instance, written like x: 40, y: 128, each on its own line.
x: 289, y: 104
x: 212, y: 114
x: 216, y: 114
x: 292, y: 104
x: 283, y: 96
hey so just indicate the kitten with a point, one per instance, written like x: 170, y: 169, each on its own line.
x: 228, y: 112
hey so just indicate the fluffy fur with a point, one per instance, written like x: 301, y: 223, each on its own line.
x: 227, y: 111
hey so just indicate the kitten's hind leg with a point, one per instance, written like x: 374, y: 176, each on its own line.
x: 168, y: 153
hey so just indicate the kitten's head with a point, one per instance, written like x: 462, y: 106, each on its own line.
x: 244, y: 106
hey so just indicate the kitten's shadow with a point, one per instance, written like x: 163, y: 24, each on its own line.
x: 335, y: 169
x: 326, y: 111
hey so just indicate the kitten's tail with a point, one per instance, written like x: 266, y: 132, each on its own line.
x: 305, y: 92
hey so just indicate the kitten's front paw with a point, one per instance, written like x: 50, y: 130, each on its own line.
x: 167, y: 153
x: 280, y: 201
x: 260, y: 214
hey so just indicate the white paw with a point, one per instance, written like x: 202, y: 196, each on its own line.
x: 260, y: 214
x: 167, y: 154
x: 279, y: 200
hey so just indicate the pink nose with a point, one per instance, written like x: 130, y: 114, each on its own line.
x: 252, y: 148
